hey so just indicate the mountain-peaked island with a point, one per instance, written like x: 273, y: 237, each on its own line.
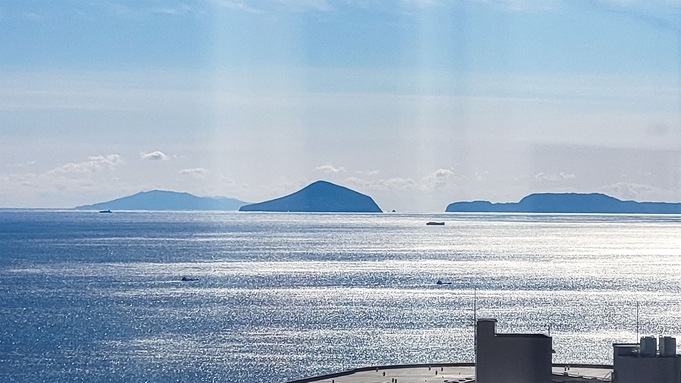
x: 568, y: 203
x: 166, y: 200
x: 319, y: 197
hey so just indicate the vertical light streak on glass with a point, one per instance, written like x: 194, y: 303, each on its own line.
x: 443, y: 102
x: 257, y: 126
x: 424, y: 72
x: 677, y: 166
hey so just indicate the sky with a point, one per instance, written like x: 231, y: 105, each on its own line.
x: 417, y: 103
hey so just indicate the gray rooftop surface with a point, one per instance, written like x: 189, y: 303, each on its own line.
x: 454, y: 373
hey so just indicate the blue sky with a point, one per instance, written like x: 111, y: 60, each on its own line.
x: 416, y: 102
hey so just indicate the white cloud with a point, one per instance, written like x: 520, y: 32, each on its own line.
x: 479, y: 176
x: 395, y: 183
x: 661, y: 8
x: 515, y: 5
x: 253, y: 6
x: 329, y: 168
x: 660, y: 13
x: 418, y: 3
x: 194, y: 171
x: 652, y: 9
x: 409, y: 194
x: 440, y: 174
x: 65, y: 185
x: 554, y: 177
x: 235, y: 5
x: 302, y: 5
x: 168, y: 11
x: 155, y: 156
x: 94, y: 164
x: 21, y: 164
x: 667, y: 5
x: 637, y: 192
x: 368, y: 172
x: 440, y: 178
x: 33, y: 16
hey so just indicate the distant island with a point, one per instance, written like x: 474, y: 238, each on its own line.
x: 568, y: 203
x: 319, y: 197
x: 166, y: 200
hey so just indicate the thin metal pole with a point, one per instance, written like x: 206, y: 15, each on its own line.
x: 475, y: 320
x: 475, y: 306
x: 637, y: 337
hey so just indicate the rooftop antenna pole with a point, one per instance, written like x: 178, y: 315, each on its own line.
x: 475, y: 320
x: 637, y: 337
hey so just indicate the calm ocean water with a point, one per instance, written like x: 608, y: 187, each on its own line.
x: 99, y: 297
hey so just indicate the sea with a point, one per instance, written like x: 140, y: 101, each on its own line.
x: 271, y: 297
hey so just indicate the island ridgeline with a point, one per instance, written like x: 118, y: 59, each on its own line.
x: 567, y: 203
x: 319, y: 197
x: 166, y: 200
